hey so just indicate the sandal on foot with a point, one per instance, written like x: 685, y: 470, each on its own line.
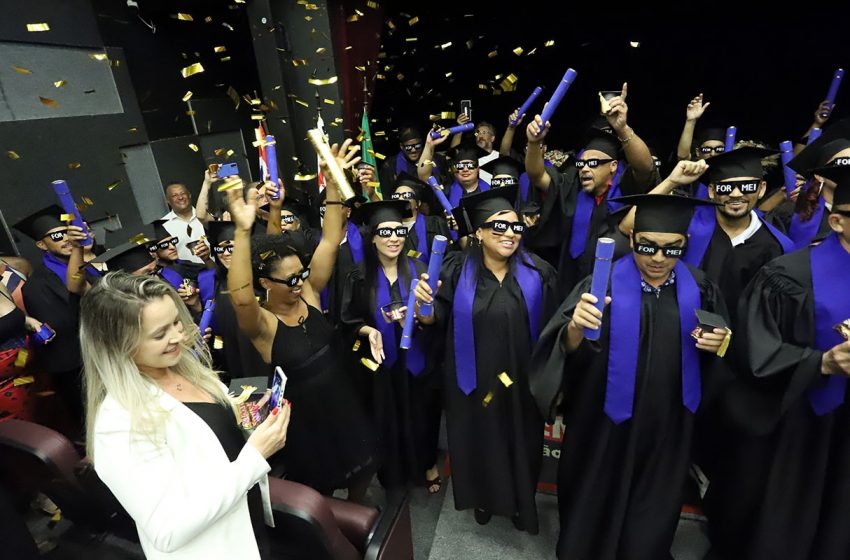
x: 432, y: 482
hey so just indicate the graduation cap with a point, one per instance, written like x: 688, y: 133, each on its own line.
x: 841, y: 175
x: 128, y: 257
x: 381, y: 211
x: 159, y: 230
x: 467, y: 152
x: 708, y: 134
x: 8, y: 247
x: 475, y: 209
x: 504, y: 166
x: 217, y: 232
x: 37, y: 224
x: 663, y: 213
x: 605, y: 142
x: 144, y: 236
x: 743, y: 162
x: 409, y: 131
x: 833, y: 140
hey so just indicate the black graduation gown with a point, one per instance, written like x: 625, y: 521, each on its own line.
x: 405, y: 407
x: 336, y: 283
x: 434, y: 225
x: 783, y: 490
x: 620, y: 485
x: 782, y: 215
x: 495, y: 449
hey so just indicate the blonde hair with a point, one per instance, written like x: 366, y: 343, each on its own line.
x: 110, y: 334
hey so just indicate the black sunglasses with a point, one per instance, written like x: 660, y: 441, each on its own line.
x: 746, y: 187
x: 500, y: 227
x: 163, y: 245
x: 293, y: 280
x: 411, y: 147
x: 591, y: 163
x: 716, y: 149
x: 288, y: 218
x: 503, y: 181
x: 461, y: 165
x: 219, y: 249
x: 386, y: 232
x: 57, y: 235
x: 650, y: 249
x: 403, y: 196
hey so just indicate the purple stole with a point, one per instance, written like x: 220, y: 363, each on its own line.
x: 530, y: 284
x: 206, y: 285
x: 702, y: 194
x: 456, y: 191
x: 171, y: 277
x: 415, y: 361
x: 584, y: 212
x: 404, y: 164
x: 421, y: 238
x: 701, y: 229
x: 624, y: 338
x: 60, y: 268
x: 803, y: 233
x: 830, y: 266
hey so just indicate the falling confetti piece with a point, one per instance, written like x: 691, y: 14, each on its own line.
x: 36, y: 27
x: 306, y: 177
x: 302, y: 102
x: 218, y: 343
x: 185, y: 17
x: 358, y: 12
x: 492, y: 54
x: 134, y: 129
x: 266, y: 255
x: 74, y: 165
x: 369, y: 364
x: 329, y: 101
x: 21, y: 358
x: 360, y: 68
x: 67, y: 217
x: 230, y: 153
x: 23, y: 380
x: 509, y: 83
x: 399, y: 76
x: 469, y: 44
x: 139, y: 239
x: 87, y: 201
x: 225, y: 59
x: 321, y: 50
x: 299, y: 62
x: 413, y: 20
x: 487, y: 398
x: 99, y: 56
x: 634, y: 44
x: 450, y: 115
x: 448, y: 74
x: 518, y: 51
x: 505, y: 379
x: 187, y: 96
x: 257, y: 117
x: 444, y: 46
x: 60, y: 83
x: 12, y: 154
x: 372, y: 4
x: 193, y: 147
x: 190, y: 113
x: 414, y: 254
x: 111, y: 186
x: 348, y: 48
x: 411, y: 39
x: 390, y: 24
x: 227, y: 26
x: 21, y: 69
x: 308, y: 18
x: 218, y: 151
x: 48, y: 102
x: 380, y: 77
x: 322, y: 82
x: 192, y: 69
x: 549, y: 43
x: 230, y: 185
x: 208, y: 19
x: 220, y: 49
x: 352, y: 18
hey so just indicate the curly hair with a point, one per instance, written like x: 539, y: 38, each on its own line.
x: 268, y: 250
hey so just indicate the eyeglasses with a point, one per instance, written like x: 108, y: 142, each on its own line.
x: 219, y: 249
x: 468, y: 165
x: 591, y: 163
x: 503, y: 181
x: 293, y: 280
x: 716, y: 149
x: 650, y: 249
x: 746, y: 187
x: 386, y: 232
x: 500, y: 227
x: 411, y: 147
x: 288, y: 218
x: 403, y: 196
x: 57, y: 235
x: 163, y: 245
x: 483, y: 132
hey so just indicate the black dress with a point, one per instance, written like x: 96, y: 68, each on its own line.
x: 223, y: 424
x: 330, y: 438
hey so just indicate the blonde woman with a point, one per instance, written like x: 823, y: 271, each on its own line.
x: 161, y: 429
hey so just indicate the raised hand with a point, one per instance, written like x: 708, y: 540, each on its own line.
x: 440, y: 139
x: 515, y: 119
x: 242, y: 212
x: 586, y: 316
x: 686, y: 172
x: 696, y: 108
x: 462, y: 118
x: 822, y: 114
x: 536, y: 131
x: 618, y: 110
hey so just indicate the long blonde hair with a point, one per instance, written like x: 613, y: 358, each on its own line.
x: 110, y: 333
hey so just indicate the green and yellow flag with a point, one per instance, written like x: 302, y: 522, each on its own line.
x: 367, y: 152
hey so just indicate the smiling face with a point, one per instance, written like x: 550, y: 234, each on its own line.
x: 285, y: 269
x: 595, y: 179
x: 289, y: 221
x: 485, y: 136
x: 168, y: 254
x: 736, y: 205
x: 224, y: 253
x: 59, y: 247
x: 709, y: 149
x: 161, y: 335
x: 178, y: 197
x: 837, y: 159
x: 389, y: 247
x: 497, y: 244
x: 412, y: 148
x: 656, y: 268
x: 466, y: 172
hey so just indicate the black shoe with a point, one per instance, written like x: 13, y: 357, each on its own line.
x: 517, y: 523
x: 482, y: 517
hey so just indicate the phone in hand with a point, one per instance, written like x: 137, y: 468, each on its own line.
x: 466, y: 108
x: 278, y: 388
x: 227, y: 169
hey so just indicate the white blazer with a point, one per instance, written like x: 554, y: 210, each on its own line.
x: 187, y: 499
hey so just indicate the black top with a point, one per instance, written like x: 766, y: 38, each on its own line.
x: 11, y: 327
x: 300, y: 346
x: 48, y: 300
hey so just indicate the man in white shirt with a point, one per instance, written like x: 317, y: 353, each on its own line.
x: 183, y: 223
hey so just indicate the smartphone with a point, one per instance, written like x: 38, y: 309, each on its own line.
x: 466, y: 108
x: 227, y: 169
x: 278, y: 388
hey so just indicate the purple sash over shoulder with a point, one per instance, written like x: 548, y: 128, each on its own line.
x: 624, y: 338
x: 60, y: 268
x: 530, y: 284
x: 415, y: 361
x: 803, y: 233
x: 525, y: 182
x: 701, y: 230
x: 456, y: 191
x: 421, y: 238
x: 830, y: 266
x: 404, y: 164
x: 355, y: 244
x: 171, y: 277
x: 206, y: 284
x: 584, y: 212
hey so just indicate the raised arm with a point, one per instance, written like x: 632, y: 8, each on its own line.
x: 461, y: 119
x: 75, y: 277
x: 821, y: 116
x: 692, y: 114
x: 273, y: 225
x: 508, y: 138
x: 426, y: 161
x: 635, y: 149
x: 202, y: 207
x: 534, y: 166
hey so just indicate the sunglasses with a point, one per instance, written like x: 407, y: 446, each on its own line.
x: 500, y: 227
x: 591, y: 163
x: 163, y: 245
x: 387, y: 232
x: 403, y: 196
x: 411, y: 147
x: 650, y: 249
x: 746, y: 187
x: 468, y: 165
x: 293, y: 280
x: 716, y: 149
x: 219, y: 250
x: 503, y: 181
x: 57, y: 235
x: 288, y: 219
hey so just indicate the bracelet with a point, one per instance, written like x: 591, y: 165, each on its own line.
x: 237, y: 289
x: 424, y: 163
x: 629, y: 139
x: 334, y: 202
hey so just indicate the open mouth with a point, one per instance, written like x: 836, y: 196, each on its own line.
x: 172, y: 350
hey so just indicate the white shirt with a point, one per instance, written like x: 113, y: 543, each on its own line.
x: 755, y: 225
x: 177, y: 226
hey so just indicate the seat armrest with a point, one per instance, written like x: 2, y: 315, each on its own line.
x: 354, y: 520
x: 392, y: 537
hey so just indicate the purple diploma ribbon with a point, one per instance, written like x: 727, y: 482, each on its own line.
x: 525, y: 106
x: 459, y: 129
x: 601, y: 277
x: 814, y: 135
x: 271, y: 161
x: 409, y: 318
x: 441, y: 196
x: 438, y: 251
x: 833, y: 90
x: 731, y: 132
x: 786, y: 150
x: 60, y: 187
x: 558, y: 95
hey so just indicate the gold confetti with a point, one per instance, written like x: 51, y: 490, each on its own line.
x: 36, y: 27
x: 348, y: 48
x: 369, y: 364
x: 193, y: 147
x: 266, y: 255
x: 23, y: 380
x: 218, y: 151
x: 220, y: 49
x: 229, y: 153
x: 184, y: 17
x: 356, y: 346
x: 111, y: 186
x: 414, y: 254
x: 358, y: 12
x: 444, y: 46
x: 67, y: 217
x: 47, y: 101
x: 373, y: 183
x: 487, y: 398
x: 305, y: 176
x: 360, y: 68
x: 509, y: 83
x: 190, y: 113
x: 390, y: 24
x: 399, y: 76
x: 380, y: 77
x: 57, y: 517
x: 411, y: 39
x: 21, y: 358
x: 372, y: 4
x: 379, y: 133
x: 549, y: 43
x: 413, y: 21
x: 225, y: 59
x: 74, y: 165
x: 139, y: 239
x: 187, y: 96
x: 87, y: 201
x: 302, y: 102
x: 299, y: 62
x: 518, y: 51
x: 134, y: 129
x: 21, y: 69
x: 322, y: 82
x: 308, y: 18
x: 257, y: 117
x: 60, y: 83
x: 321, y: 50
x: 469, y: 44
x: 492, y: 54
x: 377, y: 155
x: 99, y: 56
x: 218, y: 343
x: 208, y: 19
x: 192, y: 69
x: 352, y: 18
x: 12, y: 154
x: 330, y: 101
x: 505, y: 379
x: 235, y: 183
x: 448, y: 74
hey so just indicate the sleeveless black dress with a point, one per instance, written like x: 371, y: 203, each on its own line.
x: 330, y: 437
